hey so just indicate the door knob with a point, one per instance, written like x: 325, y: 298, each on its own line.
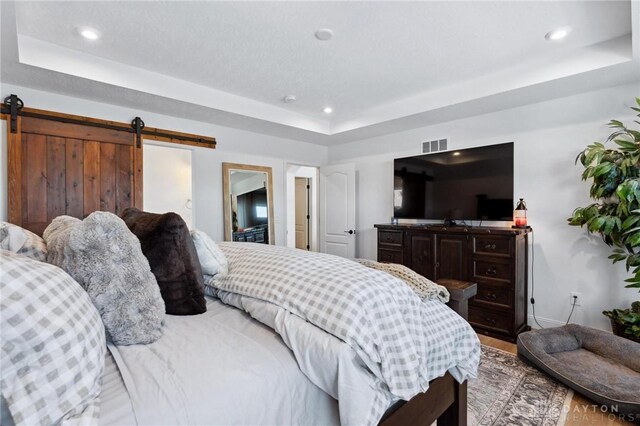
x: 350, y: 232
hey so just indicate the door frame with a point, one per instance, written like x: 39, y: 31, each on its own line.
x: 314, y: 198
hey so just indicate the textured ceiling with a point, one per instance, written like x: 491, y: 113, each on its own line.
x: 387, y: 60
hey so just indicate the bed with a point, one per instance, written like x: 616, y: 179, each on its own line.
x: 249, y: 360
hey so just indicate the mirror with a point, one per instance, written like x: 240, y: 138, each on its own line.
x: 248, y: 203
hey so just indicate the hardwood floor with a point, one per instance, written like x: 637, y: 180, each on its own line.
x: 582, y: 411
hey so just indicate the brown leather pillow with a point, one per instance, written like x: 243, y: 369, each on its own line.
x: 167, y: 244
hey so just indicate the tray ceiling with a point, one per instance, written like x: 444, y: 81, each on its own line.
x: 389, y: 65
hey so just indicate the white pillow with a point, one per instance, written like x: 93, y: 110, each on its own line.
x: 53, y: 344
x: 211, y: 258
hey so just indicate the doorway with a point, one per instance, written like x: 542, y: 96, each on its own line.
x: 302, y: 207
x: 303, y: 213
x: 167, y: 180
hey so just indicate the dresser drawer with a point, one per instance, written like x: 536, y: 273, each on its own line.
x: 492, y: 271
x: 390, y: 256
x: 390, y: 238
x: 500, y: 322
x: 492, y: 245
x: 491, y: 296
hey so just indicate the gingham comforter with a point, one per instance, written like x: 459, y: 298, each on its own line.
x: 403, y: 341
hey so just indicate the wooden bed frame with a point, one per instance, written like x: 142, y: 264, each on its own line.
x: 445, y: 402
x: 63, y: 164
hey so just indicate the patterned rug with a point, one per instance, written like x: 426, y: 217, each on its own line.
x: 510, y: 392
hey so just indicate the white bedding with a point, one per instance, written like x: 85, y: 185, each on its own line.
x: 393, y: 344
x: 219, y: 368
x: 115, y: 406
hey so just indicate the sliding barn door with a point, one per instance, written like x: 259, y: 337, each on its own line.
x: 58, y: 168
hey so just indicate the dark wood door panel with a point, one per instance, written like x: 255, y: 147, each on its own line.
x: 451, y: 255
x: 422, y: 255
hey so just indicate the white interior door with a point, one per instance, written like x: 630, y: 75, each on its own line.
x: 338, y: 207
x: 167, y: 175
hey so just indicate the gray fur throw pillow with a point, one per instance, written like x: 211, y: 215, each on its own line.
x: 106, y: 259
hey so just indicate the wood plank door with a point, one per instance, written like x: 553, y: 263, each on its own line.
x: 58, y: 168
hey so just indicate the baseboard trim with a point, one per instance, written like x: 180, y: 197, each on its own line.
x: 544, y: 322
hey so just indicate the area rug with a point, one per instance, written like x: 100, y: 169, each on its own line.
x: 510, y: 392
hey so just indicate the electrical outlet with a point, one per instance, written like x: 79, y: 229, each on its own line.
x: 578, y: 298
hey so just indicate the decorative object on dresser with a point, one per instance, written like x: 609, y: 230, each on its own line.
x: 494, y: 258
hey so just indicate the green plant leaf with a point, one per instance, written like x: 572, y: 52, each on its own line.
x: 630, y: 221
x: 626, y: 144
x: 614, y: 174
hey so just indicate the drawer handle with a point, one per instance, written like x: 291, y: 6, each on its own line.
x: 491, y: 271
x: 490, y: 247
x: 490, y: 296
x: 490, y: 320
x: 389, y: 239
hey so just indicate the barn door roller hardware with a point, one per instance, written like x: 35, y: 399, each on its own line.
x: 14, y: 104
x: 138, y: 125
x: 13, y: 107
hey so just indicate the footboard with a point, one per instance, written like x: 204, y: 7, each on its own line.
x: 444, y: 401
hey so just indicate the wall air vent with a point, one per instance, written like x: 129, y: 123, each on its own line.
x: 434, y: 146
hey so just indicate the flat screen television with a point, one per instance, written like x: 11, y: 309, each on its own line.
x: 469, y: 184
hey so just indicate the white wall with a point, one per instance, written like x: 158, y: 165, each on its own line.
x: 547, y: 137
x: 234, y: 146
x: 168, y: 179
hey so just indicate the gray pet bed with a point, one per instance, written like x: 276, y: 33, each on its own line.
x: 601, y: 366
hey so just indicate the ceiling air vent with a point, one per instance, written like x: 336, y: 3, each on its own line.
x: 434, y: 146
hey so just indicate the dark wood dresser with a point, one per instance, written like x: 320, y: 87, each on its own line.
x: 494, y: 258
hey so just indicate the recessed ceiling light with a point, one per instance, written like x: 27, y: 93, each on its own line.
x: 324, y: 34
x: 327, y: 110
x: 456, y: 153
x: 289, y: 98
x: 558, y: 34
x: 89, y: 33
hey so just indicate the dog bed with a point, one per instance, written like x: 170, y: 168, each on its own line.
x: 601, y: 366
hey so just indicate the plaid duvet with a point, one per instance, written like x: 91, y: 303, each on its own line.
x: 402, y: 340
x: 53, y: 344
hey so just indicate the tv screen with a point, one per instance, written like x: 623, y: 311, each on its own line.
x: 471, y: 184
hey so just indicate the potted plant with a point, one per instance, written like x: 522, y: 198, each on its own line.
x: 615, y: 214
